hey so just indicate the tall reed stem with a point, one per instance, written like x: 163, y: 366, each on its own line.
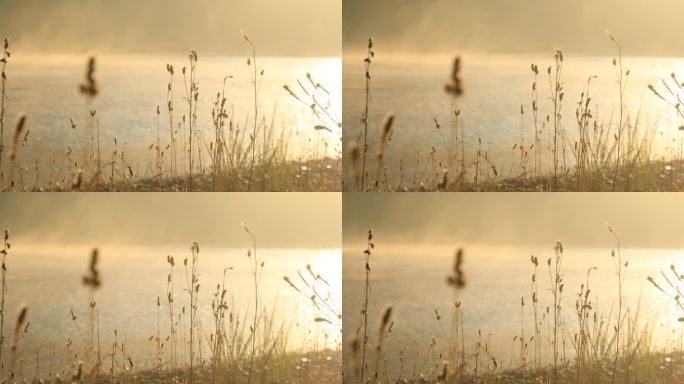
x: 3, y: 106
x: 3, y: 290
x: 364, y: 312
x: 367, y: 61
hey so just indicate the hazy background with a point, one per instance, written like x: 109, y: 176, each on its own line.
x: 648, y: 220
x: 279, y: 220
x: 278, y: 27
x: 416, y: 236
x: 503, y: 26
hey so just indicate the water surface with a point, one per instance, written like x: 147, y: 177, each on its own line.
x: 413, y: 280
x: 48, y: 281
x: 495, y: 88
x: 45, y: 87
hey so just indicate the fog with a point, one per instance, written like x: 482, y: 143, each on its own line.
x: 278, y: 27
x: 503, y: 26
x: 648, y: 220
x: 279, y: 220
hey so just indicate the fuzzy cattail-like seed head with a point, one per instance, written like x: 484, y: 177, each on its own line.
x: 385, y: 132
x: 384, y: 323
x: 355, y: 154
x: 457, y: 278
x: 89, y: 87
x: 386, y: 315
x: 355, y: 346
x: 455, y: 85
x: 92, y: 277
x: 18, y: 131
x: 21, y: 320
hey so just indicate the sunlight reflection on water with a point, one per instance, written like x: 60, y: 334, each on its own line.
x: 412, y: 279
x: 48, y: 281
x: 495, y: 88
x: 46, y: 89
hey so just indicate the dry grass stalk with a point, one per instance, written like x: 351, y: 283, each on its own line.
x: 3, y: 289
x: 364, y: 119
x: 193, y: 286
x: 364, y: 312
x: 253, y: 136
x: 255, y: 265
x: 92, y: 280
x: 3, y: 101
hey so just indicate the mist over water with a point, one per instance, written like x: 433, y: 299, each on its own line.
x: 48, y: 281
x: 52, y: 236
x: 163, y: 26
x: 415, y: 240
x: 412, y: 278
x: 132, y: 86
x: 500, y: 26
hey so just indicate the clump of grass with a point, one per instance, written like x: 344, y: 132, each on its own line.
x: 617, y: 348
x: 240, y: 157
x: 241, y: 348
x: 614, y: 155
